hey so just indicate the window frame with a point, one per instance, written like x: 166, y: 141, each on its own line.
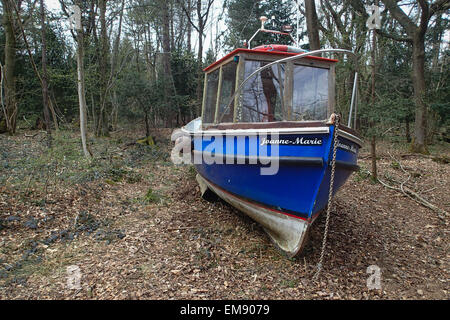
x: 219, y: 88
x: 331, y: 90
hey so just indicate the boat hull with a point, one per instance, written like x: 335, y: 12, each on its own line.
x: 284, y: 203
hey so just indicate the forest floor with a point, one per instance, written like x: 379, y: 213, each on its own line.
x: 135, y: 226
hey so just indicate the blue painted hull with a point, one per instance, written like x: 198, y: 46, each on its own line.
x: 300, y: 187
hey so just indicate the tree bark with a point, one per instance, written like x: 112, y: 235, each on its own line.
x: 103, y: 119
x: 418, y: 77
x: 45, y: 96
x: 166, y: 58
x: 10, y: 66
x: 312, y: 25
x: 437, y: 39
x: 373, y: 155
x: 200, y: 56
x: 189, y: 27
x: 407, y: 130
x: 81, y: 93
x: 81, y: 88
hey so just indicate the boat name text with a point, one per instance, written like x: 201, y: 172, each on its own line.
x: 296, y: 142
x: 347, y: 147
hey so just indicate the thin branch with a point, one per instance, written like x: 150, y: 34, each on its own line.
x: 188, y: 15
x: 424, y: 17
x: 406, y: 22
x: 438, y: 6
x: 393, y: 36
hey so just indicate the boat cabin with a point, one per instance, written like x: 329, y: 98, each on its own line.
x: 297, y: 90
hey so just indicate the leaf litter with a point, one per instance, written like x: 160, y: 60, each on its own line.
x: 137, y: 228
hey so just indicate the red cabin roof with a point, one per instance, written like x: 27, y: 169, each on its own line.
x: 261, y: 50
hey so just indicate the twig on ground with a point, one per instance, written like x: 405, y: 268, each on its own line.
x: 415, y: 155
x: 34, y: 135
x: 429, y: 190
x: 180, y: 228
x: 413, y: 195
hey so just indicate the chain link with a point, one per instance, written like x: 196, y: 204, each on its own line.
x: 330, y: 195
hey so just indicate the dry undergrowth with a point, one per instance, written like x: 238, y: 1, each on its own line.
x: 137, y: 229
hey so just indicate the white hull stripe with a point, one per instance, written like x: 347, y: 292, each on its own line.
x: 307, y: 130
x: 240, y: 132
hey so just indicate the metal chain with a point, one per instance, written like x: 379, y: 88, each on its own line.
x: 330, y: 195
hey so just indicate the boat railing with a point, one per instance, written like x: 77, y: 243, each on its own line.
x: 296, y: 57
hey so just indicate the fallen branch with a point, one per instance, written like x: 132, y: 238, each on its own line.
x: 416, y: 197
x: 389, y: 130
x: 416, y: 155
x: 33, y: 135
x: 128, y: 145
x: 180, y: 228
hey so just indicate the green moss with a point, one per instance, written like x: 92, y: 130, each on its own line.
x: 151, y: 196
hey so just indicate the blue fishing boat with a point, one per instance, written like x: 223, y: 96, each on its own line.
x: 268, y: 141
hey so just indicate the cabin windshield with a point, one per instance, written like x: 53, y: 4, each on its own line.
x: 310, y: 94
x: 262, y: 95
x: 282, y: 92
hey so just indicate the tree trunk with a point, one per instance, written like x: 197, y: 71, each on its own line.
x: 147, y: 126
x: 201, y: 28
x: 437, y: 39
x: 44, y: 77
x: 418, y: 77
x: 81, y: 93
x: 312, y: 25
x: 166, y: 40
x: 166, y: 45
x: 103, y: 120
x: 172, y: 33
x: 9, y: 68
x: 407, y: 130
x: 189, y: 27
x: 200, y: 67
x: 373, y: 155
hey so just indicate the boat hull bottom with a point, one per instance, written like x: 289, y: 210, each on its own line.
x: 288, y: 233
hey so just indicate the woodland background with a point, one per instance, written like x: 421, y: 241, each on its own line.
x: 142, y: 61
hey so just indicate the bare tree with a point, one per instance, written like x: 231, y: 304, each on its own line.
x: 202, y: 17
x: 79, y: 37
x: 416, y: 37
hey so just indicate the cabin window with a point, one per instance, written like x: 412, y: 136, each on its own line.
x: 261, y: 96
x: 310, y: 94
x: 226, y: 112
x: 209, y: 109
